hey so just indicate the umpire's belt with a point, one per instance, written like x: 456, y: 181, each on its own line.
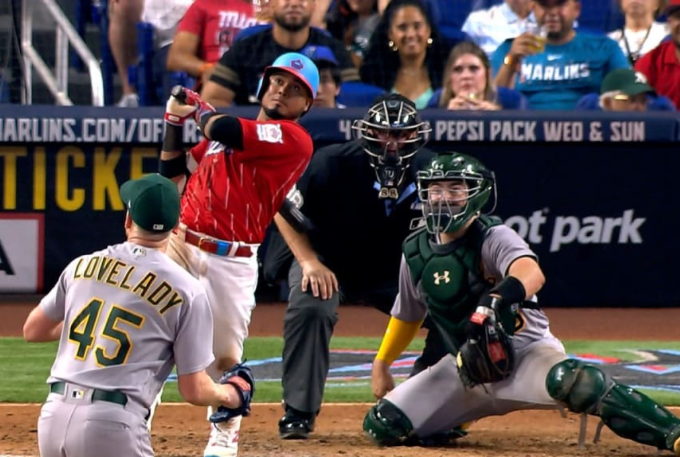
x: 118, y: 398
x: 214, y: 245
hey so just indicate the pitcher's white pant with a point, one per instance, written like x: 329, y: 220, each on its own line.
x: 72, y: 425
x: 230, y: 284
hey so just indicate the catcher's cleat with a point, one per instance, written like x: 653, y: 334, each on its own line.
x: 296, y: 425
x: 443, y: 438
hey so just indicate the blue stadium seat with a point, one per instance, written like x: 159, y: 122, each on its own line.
x: 99, y: 16
x: 141, y: 77
x: 452, y: 14
x: 4, y: 90
x: 601, y: 15
x: 354, y: 94
x: 150, y: 84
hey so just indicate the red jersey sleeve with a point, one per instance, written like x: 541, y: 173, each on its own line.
x: 198, y: 151
x: 275, y: 140
x: 193, y: 20
x: 644, y: 65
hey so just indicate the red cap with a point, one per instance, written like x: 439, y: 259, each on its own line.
x: 673, y: 6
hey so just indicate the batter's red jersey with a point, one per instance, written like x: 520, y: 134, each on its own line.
x: 234, y: 194
x: 216, y: 23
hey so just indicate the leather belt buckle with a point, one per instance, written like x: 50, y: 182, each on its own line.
x: 201, y: 241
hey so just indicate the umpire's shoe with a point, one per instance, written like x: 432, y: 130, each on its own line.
x: 296, y: 425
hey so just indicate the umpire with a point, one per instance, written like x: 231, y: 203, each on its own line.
x: 361, y: 199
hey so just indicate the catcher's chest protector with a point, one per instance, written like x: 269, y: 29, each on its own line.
x: 452, y: 282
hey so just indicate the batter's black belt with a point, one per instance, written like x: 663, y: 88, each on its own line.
x: 118, y: 398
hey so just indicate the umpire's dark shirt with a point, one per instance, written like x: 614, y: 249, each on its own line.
x: 354, y: 234
x: 241, y: 67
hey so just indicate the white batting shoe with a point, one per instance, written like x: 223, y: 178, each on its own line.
x: 223, y: 440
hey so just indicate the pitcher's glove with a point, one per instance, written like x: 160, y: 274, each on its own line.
x: 487, y: 356
x: 241, y: 377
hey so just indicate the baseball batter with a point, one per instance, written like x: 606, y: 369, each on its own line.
x: 124, y: 316
x: 244, y: 170
x: 478, y: 281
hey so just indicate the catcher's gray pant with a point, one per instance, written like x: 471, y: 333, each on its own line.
x: 307, y: 330
x: 436, y: 401
x: 72, y: 425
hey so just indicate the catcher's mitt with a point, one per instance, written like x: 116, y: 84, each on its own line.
x: 487, y: 356
x: 241, y: 377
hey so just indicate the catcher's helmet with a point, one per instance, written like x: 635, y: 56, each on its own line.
x: 297, y: 65
x: 450, y: 211
x: 391, y: 132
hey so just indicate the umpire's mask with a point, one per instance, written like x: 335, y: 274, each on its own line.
x: 391, y: 132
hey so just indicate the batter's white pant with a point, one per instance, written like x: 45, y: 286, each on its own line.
x: 436, y: 401
x: 230, y: 283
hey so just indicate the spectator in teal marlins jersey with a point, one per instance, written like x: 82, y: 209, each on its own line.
x: 571, y: 65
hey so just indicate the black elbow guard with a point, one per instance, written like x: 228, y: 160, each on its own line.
x: 511, y: 290
x: 173, y: 167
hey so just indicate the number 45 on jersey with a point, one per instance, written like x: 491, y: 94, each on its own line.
x: 82, y: 332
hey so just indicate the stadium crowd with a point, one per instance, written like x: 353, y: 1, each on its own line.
x: 515, y: 54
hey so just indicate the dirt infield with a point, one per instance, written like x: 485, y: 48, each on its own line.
x: 181, y: 430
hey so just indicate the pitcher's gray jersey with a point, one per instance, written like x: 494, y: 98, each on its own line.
x: 130, y: 314
x: 501, y: 247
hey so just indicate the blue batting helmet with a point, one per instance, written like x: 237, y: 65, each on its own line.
x: 297, y: 65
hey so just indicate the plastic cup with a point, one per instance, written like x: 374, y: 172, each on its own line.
x: 541, y: 34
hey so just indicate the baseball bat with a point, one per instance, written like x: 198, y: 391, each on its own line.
x: 179, y: 93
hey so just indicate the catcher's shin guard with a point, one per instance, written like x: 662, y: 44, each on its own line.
x: 387, y: 425
x: 584, y: 388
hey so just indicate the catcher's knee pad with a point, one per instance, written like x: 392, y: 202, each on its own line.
x: 387, y: 425
x: 584, y: 388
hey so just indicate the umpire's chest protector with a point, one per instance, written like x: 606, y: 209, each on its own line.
x: 451, y: 278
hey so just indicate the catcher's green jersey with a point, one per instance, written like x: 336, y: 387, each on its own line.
x: 130, y: 314
x: 449, y: 283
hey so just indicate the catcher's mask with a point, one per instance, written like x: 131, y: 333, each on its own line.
x: 454, y: 188
x: 391, y: 132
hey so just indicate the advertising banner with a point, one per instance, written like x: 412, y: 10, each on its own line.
x: 599, y: 213
x: 21, y: 252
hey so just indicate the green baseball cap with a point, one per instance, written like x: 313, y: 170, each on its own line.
x: 152, y: 201
x: 627, y: 81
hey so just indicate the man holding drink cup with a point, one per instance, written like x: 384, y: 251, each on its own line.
x: 553, y: 65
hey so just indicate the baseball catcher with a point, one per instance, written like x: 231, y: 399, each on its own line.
x: 477, y: 279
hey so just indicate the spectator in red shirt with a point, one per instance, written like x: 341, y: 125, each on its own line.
x: 206, y: 32
x: 662, y: 64
x: 234, y: 78
x: 244, y: 170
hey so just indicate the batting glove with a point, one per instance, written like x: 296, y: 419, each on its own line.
x: 183, y: 104
x: 177, y: 110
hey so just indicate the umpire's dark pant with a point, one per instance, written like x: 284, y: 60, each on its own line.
x: 307, y: 329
